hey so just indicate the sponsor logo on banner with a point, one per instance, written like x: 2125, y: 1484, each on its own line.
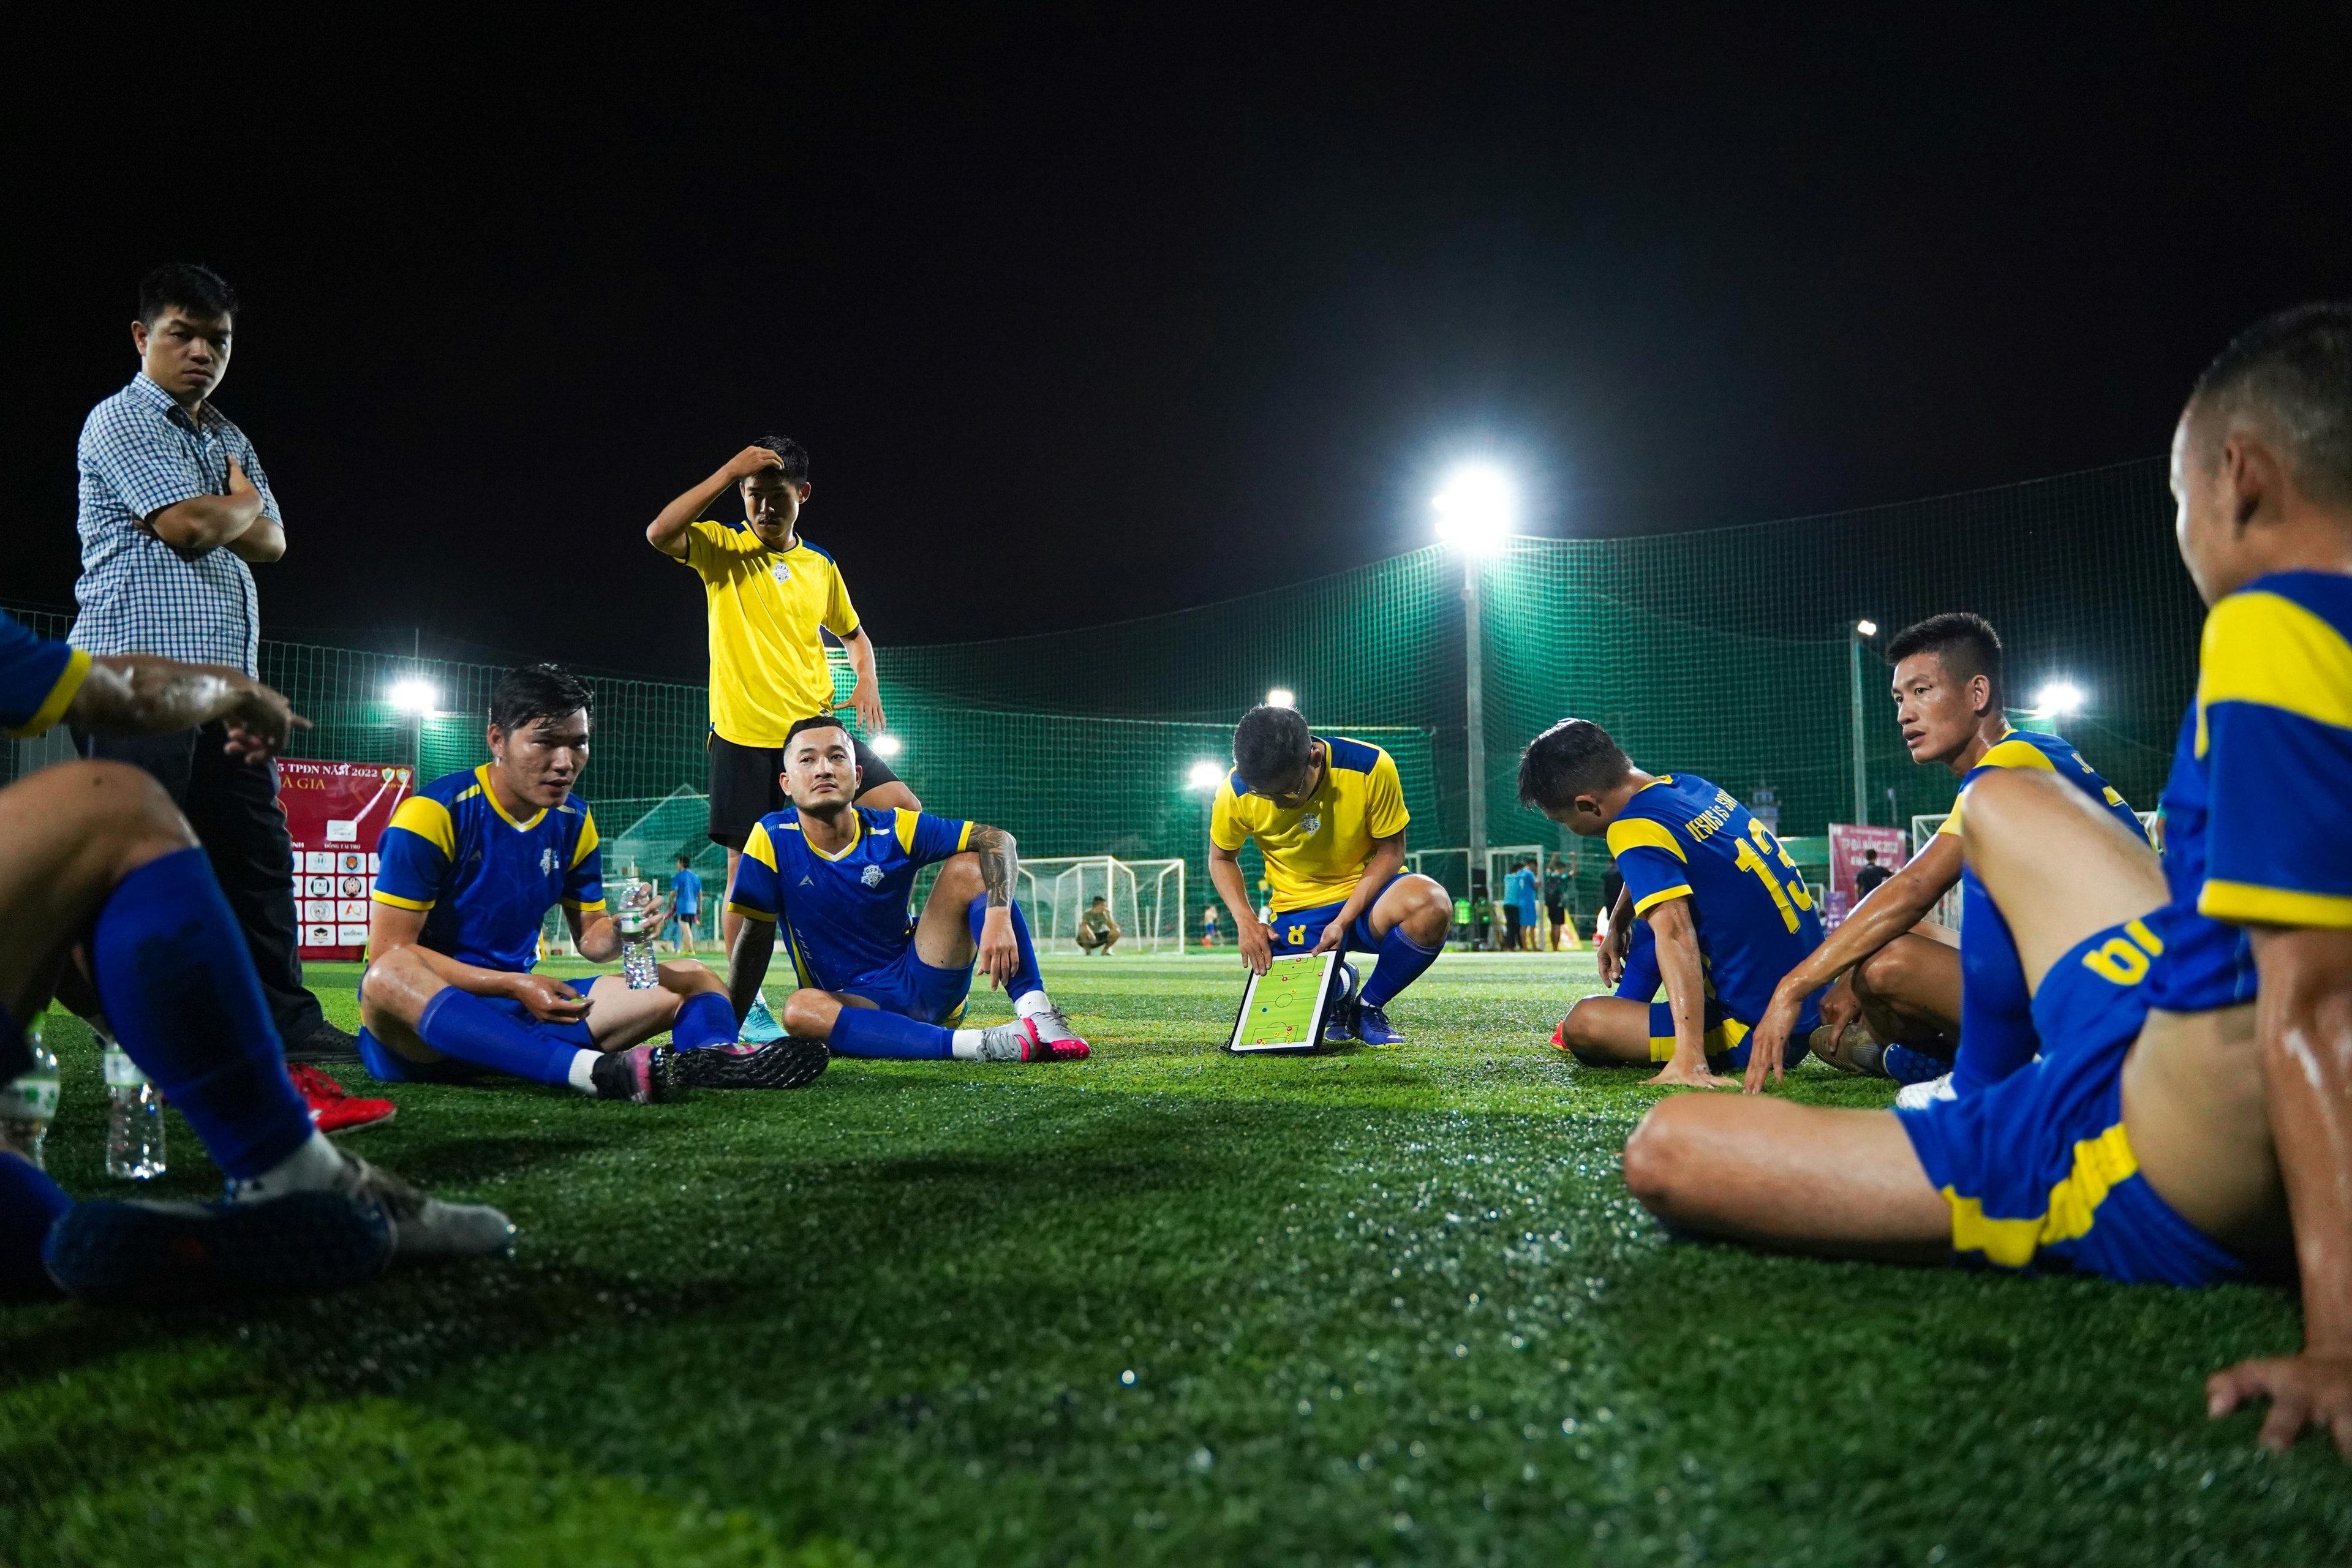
x: 335, y: 812
x: 1847, y: 843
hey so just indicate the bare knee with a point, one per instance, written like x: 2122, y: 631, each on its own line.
x: 125, y: 803
x: 1658, y: 1157
x: 1581, y: 1033
x: 398, y: 982
x: 1882, y: 975
x: 809, y: 1012
x: 688, y: 979
x: 1431, y: 916
x: 959, y: 877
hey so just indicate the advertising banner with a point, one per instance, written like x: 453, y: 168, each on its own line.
x: 335, y: 814
x: 1847, y: 843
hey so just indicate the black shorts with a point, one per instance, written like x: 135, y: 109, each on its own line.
x: 746, y: 784
x: 1558, y: 913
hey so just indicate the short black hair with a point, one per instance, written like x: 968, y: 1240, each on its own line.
x: 1271, y: 745
x: 199, y: 290
x: 2294, y: 372
x: 1100, y: 899
x: 1963, y: 642
x: 1871, y: 855
x: 1573, y: 757
x: 816, y: 722
x: 794, y: 456
x: 535, y: 691
x: 684, y: 858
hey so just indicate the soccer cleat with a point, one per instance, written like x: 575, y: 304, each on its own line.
x: 1019, y: 1041
x: 780, y: 1064
x: 646, y: 1074
x: 1853, y: 1051
x: 1919, y: 1096
x: 1560, y: 1036
x: 423, y: 1229
x: 144, y: 1253
x: 333, y: 1108
x: 1372, y: 1027
x: 759, y: 1027
x: 1054, y: 1027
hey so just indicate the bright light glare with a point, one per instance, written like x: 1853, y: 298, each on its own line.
x: 886, y: 745
x: 414, y: 695
x: 2059, y: 697
x: 1205, y: 774
x: 1476, y: 509
x: 1282, y: 696
x: 1867, y: 628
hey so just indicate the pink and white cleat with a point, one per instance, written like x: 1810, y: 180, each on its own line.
x: 1054, y: 1039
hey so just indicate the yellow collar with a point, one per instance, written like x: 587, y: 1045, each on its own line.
x: 482, y: 778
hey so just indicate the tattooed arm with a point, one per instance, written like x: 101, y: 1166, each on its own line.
x: 999, y: 864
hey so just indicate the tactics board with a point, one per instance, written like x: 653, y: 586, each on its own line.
x: 1282, y: 1010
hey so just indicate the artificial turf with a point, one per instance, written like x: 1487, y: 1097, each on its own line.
x: 1164, y: 1306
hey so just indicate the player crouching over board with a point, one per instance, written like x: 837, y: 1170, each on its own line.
x: 838, y: 878
x: 1329, y: 815
x: 1728, y: 910
x: 471, y: 864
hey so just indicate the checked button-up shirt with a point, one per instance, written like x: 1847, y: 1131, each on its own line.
x: 139, y: 453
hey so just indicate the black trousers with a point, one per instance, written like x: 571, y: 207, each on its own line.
x: 233, y: 808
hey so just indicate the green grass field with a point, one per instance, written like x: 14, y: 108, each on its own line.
x: 1165, y: 1306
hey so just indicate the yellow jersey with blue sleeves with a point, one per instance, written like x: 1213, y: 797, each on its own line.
x: 38, y: 678
x: 1681, y: 836
x: 766, y: 658
x: 484, y: 880
x: 2049, y: 753
x: 1316, y: 852
x: 843, y: 918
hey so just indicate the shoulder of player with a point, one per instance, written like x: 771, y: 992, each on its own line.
x: 450, y: 788
x: 819, y: 552
x: 2296, y: 623
x: 1352, y: 756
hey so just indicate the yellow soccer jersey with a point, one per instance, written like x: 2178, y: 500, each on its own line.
x: 767, y: 659
x: 2031, y: 749
x: 1316, y: 852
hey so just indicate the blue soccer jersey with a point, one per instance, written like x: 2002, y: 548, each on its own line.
x: 487, y: 880
x: 2031, y: 749
x: 1680, y: 836
x: 37, y: 678
x: 848, y: 916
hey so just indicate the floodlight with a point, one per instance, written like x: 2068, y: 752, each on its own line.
x: 2059, y: 697
x: 1477, y: 508
x: 886, y: 745
x: 414, y: 695
x: 1867, y: 628
x: 1205, y: 774
x: 1282, y: 696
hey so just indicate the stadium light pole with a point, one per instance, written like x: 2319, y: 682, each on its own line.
x: 1860, y: 631
x: 1474, y: 514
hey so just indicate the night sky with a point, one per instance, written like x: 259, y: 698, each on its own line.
x: 1082, y: 317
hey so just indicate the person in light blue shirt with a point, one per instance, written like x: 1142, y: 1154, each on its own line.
x: 1519, y: 905
x: 684, y: 903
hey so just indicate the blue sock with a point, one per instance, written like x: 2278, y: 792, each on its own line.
x: 177, y: 983
x: 1996, y: 1032
x: 1026, y: 979
x: 1905, y: 1065
x: 708, y: 1018
x: 29, y: 1203
x: 1400, y: 963
x: 459, y: 1023
x: 871, y: 1032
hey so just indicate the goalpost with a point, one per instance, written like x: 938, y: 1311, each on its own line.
x: 1946, y: 912
x: 1146, y: 900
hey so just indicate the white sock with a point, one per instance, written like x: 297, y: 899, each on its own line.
x: 1038, y: 1005
x: 964, y: 1045
x: 316, y: 1164
x: 582, y: 1072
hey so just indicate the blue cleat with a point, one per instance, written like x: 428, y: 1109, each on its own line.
x: 1373, y: 1027
x: 152, y: 1254
x: 760, y: 1025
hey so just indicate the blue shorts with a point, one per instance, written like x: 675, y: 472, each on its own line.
x: 1727, y: 1038
x: 913, y: 989
x: 2037, y: 1167
x: 389, y: 1066
x: 1298, y: 931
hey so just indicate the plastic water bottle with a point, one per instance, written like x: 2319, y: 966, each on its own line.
x: 638, y: 962
x: 134, y: 1118
x: 29, y: 1103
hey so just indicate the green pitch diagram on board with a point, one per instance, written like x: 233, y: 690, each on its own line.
x: 1284, y: 1007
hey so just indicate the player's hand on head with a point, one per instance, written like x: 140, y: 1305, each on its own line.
x: 2305, y: 1390
x: 750, y: 461
x: 550, y: 1001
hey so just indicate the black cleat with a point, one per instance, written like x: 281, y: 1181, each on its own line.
x: 646, y: 1074
x: 152, y: 1254
x: 787, y: 1063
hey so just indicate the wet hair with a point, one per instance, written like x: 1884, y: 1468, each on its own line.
x: 816, y: 722
x: 535, y: 691
x: 1270, y: 745
x: 2291, y: 373
x: 1965, y: 644
x: 1573, y: 757
x: 794, y: 456
x: 198, y: 290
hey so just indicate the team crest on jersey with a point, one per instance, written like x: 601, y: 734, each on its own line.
x: 547, y: 861
x: 781, y: 572
x: 871, y: 876
x: 1310, y: 825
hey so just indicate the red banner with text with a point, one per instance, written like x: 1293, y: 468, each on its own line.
x: 1851, y: 849
x: 334, y: 813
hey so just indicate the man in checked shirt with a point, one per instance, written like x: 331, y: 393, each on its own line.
x: 175, y: 506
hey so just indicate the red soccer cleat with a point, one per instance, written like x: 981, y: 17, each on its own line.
x: 1560, y: 1036
x: 333, y: 1108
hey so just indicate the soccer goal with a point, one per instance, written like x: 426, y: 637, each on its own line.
x: 1947, y: 908
x: 1146, y: 900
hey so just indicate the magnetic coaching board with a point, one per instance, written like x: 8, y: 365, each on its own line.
x: 1282, y: 1010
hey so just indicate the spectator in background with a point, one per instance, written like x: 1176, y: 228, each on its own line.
x: 1520, y: 908
x: 1870, y: 876
x: 686, y: 902
x: 1097, y: 931
x: 174, y: 508
x: 1555, y: 893
x: 1209, y: 926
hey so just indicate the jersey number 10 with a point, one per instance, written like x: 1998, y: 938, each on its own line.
x: 1786, y: 899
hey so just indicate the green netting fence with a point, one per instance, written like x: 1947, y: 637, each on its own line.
x: 1722, y: 652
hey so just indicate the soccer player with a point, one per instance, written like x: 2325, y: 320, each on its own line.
x: 1097, y: 931
x: 2172, y: 1132
x: 1554, y: 892
x: 1727, y: 911
x: 772, y: 596
x: 95, y: 854
x: 1328, y: 816
x: 838, y: 878
x: 471, y: 864
x: 1905, y: 983
x: 685, y: 903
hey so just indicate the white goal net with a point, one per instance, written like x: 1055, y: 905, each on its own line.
x: 1146, y: 900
